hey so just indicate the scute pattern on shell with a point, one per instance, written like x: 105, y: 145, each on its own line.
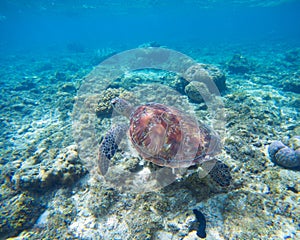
x: 167, y: 137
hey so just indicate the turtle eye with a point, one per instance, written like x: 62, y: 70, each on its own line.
x: 114, y: 101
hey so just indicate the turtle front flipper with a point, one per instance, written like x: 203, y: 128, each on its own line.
x: 220, y: 173
x: 109, y: 146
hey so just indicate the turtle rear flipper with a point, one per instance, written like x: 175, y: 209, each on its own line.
x: 109, y: 146
x: 220, y: 173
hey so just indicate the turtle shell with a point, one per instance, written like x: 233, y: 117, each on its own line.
x: 167, y: 137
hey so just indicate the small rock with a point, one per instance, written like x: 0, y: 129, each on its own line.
x: 68, y: 87
x: 60, y: 76
x: 197, y: 91
x: 238, y: 64
x: 292, y: 55
x: 207, y: 74
x: 257, y: 144
x: 292, y: 84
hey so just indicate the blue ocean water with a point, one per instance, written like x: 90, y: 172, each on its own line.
x: 31, y: 25
x: 233, y: 64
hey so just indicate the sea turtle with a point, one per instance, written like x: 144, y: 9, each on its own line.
x: 166, y: 137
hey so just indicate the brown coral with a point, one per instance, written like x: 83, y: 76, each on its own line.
x: 104, y: 107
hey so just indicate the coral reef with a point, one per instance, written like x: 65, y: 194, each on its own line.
x: 262, y: 201
x: 62, y: 170
x: 207, y: 74
x: 104, y: 107
x: 292, y: 55
x: 292, y: 83
x: 285, y: 156
x: 68, y: 87
x: 204, y: 73
x: 239, y: 64
x: 137, y: 78
x: 198, y: 92
x: 18, y: 212
x: 55, y: 220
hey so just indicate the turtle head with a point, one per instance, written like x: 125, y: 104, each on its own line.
x: 122, y: 106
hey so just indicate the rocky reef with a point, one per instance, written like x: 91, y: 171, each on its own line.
x: 104, y: 106
x: 47, y: 192
x: 292, y: 55
x: 198, y: 92
x: 239, y: 64
x: 292, y: 83
x: 18, y: 212
x: 206, y: 74
x: 63, y: 168
x: 188, y: 83
x: 38, y: 154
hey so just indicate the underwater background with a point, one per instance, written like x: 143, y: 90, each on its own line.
x: 61, y: 64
